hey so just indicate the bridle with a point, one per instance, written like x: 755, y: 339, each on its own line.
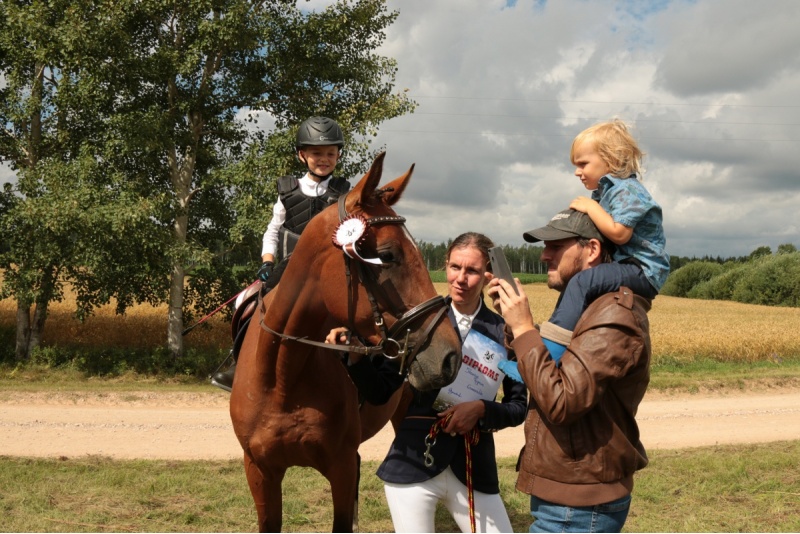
x: 396, y: 342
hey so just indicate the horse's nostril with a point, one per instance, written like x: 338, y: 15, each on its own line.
x: 451, y: 365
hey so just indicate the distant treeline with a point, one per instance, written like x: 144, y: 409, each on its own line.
x: 524, y: 259
x: 527, y: 258
x: 758, y: 278
x: 676, y: 262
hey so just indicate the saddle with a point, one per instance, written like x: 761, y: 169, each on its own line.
x: 244, y: 311
x: 242, y: 315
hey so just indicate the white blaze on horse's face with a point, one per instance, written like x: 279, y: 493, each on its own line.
x: 410, y: 237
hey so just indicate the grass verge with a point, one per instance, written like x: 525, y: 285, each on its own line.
x: 753, y: 488
x: 669, y: 376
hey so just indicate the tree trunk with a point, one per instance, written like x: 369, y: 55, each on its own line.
x: 22, y: 348
x: 182, y: 173
x: 39, y: 317
x: 175, y: 320
x: 181, y: 179
x: 29, y: 333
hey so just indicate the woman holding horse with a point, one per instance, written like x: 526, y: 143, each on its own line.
x: 439, y: 437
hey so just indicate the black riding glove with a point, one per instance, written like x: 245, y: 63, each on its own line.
x: 265, y: 270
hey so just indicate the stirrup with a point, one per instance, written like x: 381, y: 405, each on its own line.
x: 224, y: 380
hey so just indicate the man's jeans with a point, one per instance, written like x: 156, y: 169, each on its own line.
x: 608, y: 517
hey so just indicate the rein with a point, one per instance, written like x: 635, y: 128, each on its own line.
x: 395, y: 342
x: 470, y: 438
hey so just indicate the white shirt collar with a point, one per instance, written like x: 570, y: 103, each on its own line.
x: 463, y: 321
x: 312, y: 188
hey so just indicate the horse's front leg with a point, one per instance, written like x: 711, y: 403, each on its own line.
x: 343, y: 476
x: 266, y: 491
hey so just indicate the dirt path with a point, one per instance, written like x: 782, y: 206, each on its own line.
x: 196, y: 426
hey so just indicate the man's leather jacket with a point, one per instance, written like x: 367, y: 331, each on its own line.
x: 581, y: 438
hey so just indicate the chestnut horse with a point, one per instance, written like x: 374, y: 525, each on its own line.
x: 293, y: 403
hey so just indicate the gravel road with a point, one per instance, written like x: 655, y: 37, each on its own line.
x: 186, y: 426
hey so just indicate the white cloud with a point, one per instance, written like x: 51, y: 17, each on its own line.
x: 729, y: 45
x: 6, y: 174
x: 710, y: 88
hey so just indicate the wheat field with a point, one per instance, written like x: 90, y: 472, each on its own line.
x: 681, y: 329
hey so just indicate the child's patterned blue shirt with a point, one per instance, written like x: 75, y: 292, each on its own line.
x: 629, y: 203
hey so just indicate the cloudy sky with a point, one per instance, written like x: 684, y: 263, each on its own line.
x: 710, y: 88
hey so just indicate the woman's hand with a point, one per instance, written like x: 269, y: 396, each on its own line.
x: 340, y: 336
x: 337, y: 336
x: 465, y: 417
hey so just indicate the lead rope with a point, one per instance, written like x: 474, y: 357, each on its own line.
x: 470, y: 439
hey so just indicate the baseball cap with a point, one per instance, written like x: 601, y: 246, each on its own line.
x: 564, y: 225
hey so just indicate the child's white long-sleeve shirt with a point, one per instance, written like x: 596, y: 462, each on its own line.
x: 309, y: 187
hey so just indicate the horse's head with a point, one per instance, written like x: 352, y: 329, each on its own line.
x: 373, y: 279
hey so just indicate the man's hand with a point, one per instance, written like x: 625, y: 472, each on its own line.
x: 514, y: 308
x: 265, y: 271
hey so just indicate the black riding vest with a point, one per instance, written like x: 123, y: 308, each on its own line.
x: 300, y: 208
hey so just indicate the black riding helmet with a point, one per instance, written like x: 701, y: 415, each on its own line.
x: 319, y: 131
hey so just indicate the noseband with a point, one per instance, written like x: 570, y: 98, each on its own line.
x: 395, y: 341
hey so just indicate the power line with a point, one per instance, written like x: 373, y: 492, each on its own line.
x: 558, y: 101
x: 516, y: 116
x: 564, y: 136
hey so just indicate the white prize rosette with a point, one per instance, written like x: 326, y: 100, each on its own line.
x: 349, y: 234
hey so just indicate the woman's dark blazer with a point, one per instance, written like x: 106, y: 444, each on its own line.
x: 404, y: 464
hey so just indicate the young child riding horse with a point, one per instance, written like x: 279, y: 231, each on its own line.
x: 319, y: 144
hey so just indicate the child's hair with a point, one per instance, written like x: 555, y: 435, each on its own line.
x: 614, y: 143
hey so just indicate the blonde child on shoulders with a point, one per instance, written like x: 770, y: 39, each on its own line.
x: 608, y: 162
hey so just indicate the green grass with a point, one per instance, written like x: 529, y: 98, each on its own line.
x: 667, y: 375
x: 753, y: 488
x: 712, y: 375
x: 35, y: 378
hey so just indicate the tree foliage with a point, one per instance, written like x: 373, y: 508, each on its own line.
x: 137, y: 122
x: 772, y: 281
x: 43, y: 131
x: 768, y: 279
x: 721, y: 286
x: 684, y: 279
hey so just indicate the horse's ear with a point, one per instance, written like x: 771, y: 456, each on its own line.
x: 363, y: 192
x: 396, y: 187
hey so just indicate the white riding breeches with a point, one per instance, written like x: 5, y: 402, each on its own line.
x: 413, y: 506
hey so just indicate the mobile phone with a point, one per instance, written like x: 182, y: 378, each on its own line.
x: 500, y: 267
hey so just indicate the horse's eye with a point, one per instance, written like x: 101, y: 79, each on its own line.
x: 386, y: 257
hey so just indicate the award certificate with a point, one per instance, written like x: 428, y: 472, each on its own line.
x: 479, y: 378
